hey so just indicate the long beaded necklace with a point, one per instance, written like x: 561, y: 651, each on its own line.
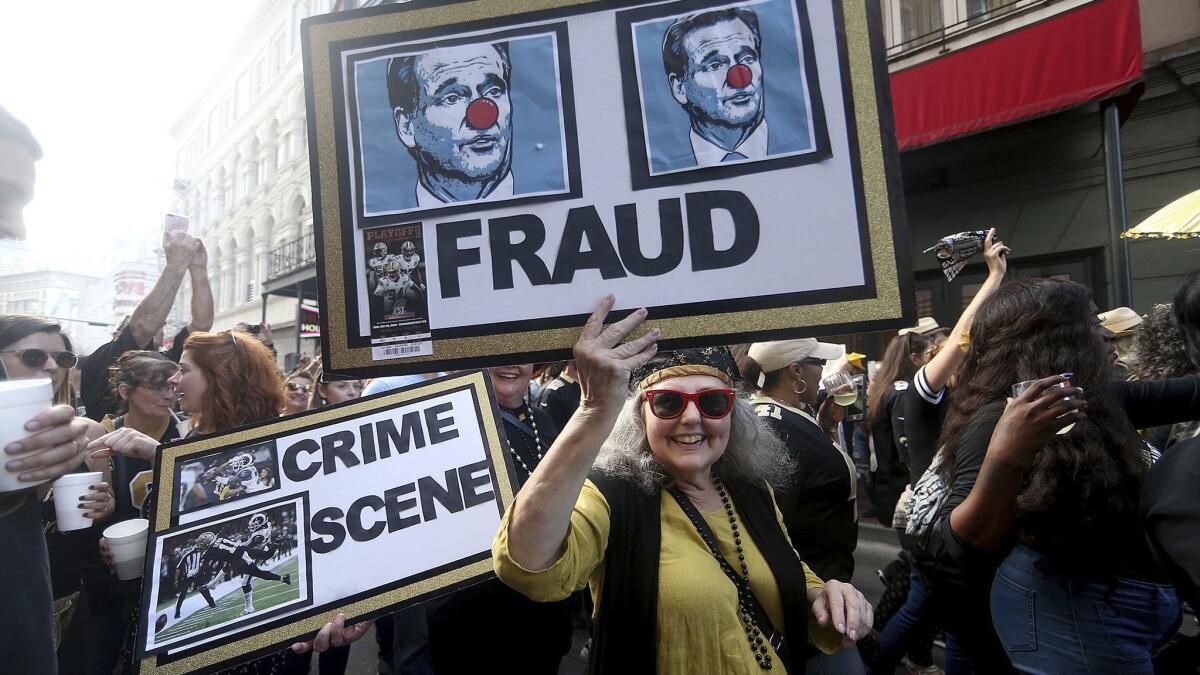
x: 753, y: 633
x: 527, y: 414
x: 746, y: 602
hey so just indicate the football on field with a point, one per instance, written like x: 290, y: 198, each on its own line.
x: 160, y: 623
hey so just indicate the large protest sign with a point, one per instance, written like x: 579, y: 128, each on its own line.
x: 484, y: 172
x: 261, y: 535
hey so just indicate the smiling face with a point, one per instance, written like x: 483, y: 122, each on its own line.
x: 190, y: 384
x: 705, y: 90
x: 46, y: 341
x: 690, y: 444
x: 297, y: 392
x: 448, y: 81
x: 510, y: 383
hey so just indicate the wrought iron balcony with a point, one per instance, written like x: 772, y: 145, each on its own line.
x: 292, y: 257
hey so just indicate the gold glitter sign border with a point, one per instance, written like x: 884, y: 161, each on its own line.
x: 220, y: 655
x: 878, y: 168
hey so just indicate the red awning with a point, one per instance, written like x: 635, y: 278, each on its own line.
x: 1083, y: 54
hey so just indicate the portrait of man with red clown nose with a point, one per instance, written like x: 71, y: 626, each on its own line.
x: 453, y: 112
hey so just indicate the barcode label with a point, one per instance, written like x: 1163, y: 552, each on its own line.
x: 399, y: 351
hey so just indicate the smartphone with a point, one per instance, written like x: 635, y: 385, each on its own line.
x: 856, y: 411
x: 173, y: 222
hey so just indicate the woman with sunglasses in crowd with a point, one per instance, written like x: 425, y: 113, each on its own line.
x: 1039, y: 545
x: 225, y: 380
x: 651, y: 496
x: 818, y: 504
x: 32, y: 348
x: 298, y: 391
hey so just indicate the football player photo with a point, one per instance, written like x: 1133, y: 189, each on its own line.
x: 722, y: 87
x: 225, y: 476
x: 214, y: 574
x: 460, y: 123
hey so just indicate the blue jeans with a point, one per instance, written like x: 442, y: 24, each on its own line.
x: 1052, y: 623
x: 916, y: 618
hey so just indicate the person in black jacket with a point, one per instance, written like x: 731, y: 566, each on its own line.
x: 885, y: 421
x: 818, y: 505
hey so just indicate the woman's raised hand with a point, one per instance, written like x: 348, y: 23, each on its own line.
x: 605, y: 363
x: 1033, y: 418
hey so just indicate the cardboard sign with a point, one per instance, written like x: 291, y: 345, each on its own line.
x: 262, y: 534
x: 484, y: 172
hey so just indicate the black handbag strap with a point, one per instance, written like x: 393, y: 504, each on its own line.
x: 745, y: 593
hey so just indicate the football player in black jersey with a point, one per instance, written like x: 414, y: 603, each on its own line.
x: 196, y: 571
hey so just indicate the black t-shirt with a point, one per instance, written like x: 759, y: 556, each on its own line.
x: 1171, y: 512
x: 27, y: 610
x: 818, y: 506
x: 1120, y: 542
x: 94, y: 389
x: 559, y: 398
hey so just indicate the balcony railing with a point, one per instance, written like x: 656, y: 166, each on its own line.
x: 913, y: 23
x: 292, y: 256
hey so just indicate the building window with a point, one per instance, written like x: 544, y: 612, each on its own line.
x: 920, y: 20
x: 924, y: 302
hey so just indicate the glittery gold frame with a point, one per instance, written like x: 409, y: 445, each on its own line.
x: 867, y: 96
x: 224, y: 654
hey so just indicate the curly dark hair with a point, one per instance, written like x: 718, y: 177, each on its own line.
x: 1160, y: 347
x: 1084, y: 482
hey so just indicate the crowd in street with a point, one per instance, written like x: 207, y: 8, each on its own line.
x: 697, y: 510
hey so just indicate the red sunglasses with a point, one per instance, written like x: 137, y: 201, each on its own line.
x: 667, y: 404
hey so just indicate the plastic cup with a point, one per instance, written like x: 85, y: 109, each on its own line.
x: 20, y: 401
x: 67, y: 491
x: 127, y: 540
x: 1020, y: 387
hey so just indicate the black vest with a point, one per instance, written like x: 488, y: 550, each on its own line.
x: 624, y: 637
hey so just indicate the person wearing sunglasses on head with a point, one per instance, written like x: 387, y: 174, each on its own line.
x: 660, y: 499
x: 33, y: 348
x: 818, y: 505
x: 297, y: 392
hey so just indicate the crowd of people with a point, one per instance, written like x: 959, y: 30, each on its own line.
x: 697, y: 510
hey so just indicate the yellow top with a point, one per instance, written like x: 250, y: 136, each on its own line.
x: 698, y: 624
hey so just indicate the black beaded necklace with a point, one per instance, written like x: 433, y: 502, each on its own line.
x: 746, y: 602
x: 527, y: 414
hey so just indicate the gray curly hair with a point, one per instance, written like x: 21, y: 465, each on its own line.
x: 754, y: 453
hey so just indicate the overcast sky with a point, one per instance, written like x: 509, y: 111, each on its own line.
x: 100, y: 85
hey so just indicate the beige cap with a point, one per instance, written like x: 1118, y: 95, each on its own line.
x: 1120, y: 320
x: 925, y: 324
x: 772, y: 356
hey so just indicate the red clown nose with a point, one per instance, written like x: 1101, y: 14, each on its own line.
x: 739, y: 76
x: 482, y: 113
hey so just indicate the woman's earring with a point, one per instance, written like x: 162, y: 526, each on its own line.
x: 803, y: 387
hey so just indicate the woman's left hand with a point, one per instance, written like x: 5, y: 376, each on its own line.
x: 124, y: 441
x: 334, y: 634
x: 98, y: 504
x: 842, y: 607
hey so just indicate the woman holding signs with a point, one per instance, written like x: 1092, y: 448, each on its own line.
x: 654, y: 495
x: 225, y: 380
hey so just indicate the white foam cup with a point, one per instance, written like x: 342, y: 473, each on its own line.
x: 127, y: 540
x: 20, y: 401
x: 67, y: 491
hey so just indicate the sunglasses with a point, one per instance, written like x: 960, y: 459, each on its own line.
x: 36, y: 358
x: 292, y: 386
x: 667, y: 404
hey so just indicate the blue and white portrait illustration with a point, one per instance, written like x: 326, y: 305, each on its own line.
x: 724, y: 85
x: 461, y: 124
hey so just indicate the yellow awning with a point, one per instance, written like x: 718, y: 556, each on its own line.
x: 1178, y: 220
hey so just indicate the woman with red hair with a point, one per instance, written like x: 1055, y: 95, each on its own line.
x: 225, y: 380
